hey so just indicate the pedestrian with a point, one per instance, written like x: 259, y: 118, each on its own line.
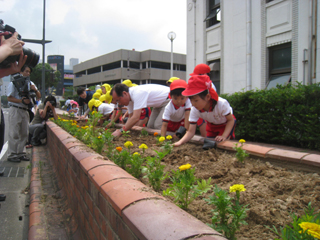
x: 85, y: 95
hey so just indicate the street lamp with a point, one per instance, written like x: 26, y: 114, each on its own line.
x: 171, y: 36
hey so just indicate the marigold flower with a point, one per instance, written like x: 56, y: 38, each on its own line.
x: 313, y: 228
x: 128, y: 144
x: 77, y: 126
x: 93, y: 112
x: 169, y: 137
x: 155, y: 134
x: 161, y: 139
x: 119, y: 149
x: 73, y: 124
x: 237, y: 187
x: 242, y: 141
x: 184, y: 167
x: 136, y: 153
x: 143, y: 146
x: 99, y: 137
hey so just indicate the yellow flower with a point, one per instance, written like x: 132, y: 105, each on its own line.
x: 93, y: 112
x: 169, y: 137
x: 242, y: 141
x: 73, y: 124
x: 128, y: 144
x: 185, y: 167
x: 161, y: 139
x: 237, y: 187
x: 136, y: 153
x: 313, y: 228
x: 119, y: 149
x: 143, y: 146
x: 99, y: 137
x: 155, y: 134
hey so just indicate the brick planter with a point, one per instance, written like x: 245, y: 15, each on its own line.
x: 109, y: 203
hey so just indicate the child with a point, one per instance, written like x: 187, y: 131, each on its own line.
x: 208, y: 105
x: 104, y: 108
x: 177, y: 111
x: 74, y: 108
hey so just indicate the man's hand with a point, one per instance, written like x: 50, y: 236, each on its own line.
x: 25, y: 100
x: 12, y: 44
x: 116, y: 133
x: 14, y: 67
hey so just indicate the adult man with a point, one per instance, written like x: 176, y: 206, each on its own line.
x: 84, y: 98
x: 19, y: 120
x: 9, y: 47
x: 137, y: 98
x: 37, y: 129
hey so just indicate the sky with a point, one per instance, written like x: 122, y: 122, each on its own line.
x: 86, y: 29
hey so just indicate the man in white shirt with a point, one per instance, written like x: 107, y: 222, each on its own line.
x: 139, y: 97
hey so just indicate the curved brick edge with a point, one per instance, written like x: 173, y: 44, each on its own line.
x: 106, y: 200
x: 312, y: 160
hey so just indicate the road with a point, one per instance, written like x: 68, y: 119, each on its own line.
x: 14, y: 211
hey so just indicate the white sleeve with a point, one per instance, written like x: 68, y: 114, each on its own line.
x: 194, y: 115
x: 167, y: 112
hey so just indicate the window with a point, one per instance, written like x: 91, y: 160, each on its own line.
x: 94, y: 70
x: 215, y: 73
x: 111, y: 66
x: 161, y: 65
x: 279, y: 65
x: 214, y: 13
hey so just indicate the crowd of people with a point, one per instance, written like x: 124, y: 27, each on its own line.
x: 179, y: 107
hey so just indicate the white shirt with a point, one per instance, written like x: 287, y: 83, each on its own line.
x: 105, y: 108
x: 147, y: 95
x: 13, y: 91
x: 171, y: 113
x: 217, y: 116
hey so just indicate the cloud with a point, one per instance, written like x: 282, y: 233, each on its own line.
x: 86, y: 29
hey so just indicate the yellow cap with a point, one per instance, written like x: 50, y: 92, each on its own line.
x: 91, y: 103
x: 97, y: 103
x: 127, y: 82
x: 134, y: 85
x: 172, y: 79
x: 99, y: 91
x: 96, y: 95
x: 106, y: 97
x: 107, y: 87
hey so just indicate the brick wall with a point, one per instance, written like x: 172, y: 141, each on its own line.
x: 109, y: 203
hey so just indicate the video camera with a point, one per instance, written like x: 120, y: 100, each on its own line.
x: 22, y: 84
x: 32, y: 59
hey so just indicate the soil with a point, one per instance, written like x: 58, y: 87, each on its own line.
x: 272, y: 192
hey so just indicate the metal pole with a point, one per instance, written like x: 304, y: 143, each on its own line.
x: 43, y: 52
x: 171, y: 72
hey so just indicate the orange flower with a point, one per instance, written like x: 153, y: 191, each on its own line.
x: 119, y: 149
x: 155, y: 134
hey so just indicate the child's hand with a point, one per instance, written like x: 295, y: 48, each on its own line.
x: 176, y: 144
x: 220, y: 138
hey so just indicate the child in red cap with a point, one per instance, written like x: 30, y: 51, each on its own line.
x: 177, y: 112
x: 208, y: 105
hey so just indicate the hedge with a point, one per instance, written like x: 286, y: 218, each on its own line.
x: 286, y: 115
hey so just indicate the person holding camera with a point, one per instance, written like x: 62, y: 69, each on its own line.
x: 19, y: 118
x: 37, y: 128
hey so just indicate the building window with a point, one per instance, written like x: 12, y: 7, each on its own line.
x: 94, y: 70
x: 111, y: 66
x: 160, y: 65
x: 215, y: 73
x: 279, y: 65
x: 214, y: 13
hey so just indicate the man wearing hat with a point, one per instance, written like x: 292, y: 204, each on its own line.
x: 137, y: 98
x: 206, y: 104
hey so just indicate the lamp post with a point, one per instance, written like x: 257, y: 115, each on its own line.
x: 171, y: 36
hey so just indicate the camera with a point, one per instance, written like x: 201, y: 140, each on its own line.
x: 22, y: 84
x: 32, y: 57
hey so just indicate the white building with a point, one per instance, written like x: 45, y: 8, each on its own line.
x: 253, y: 44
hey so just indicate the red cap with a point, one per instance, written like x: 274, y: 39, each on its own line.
x: 201, y: 69
x: 199, y: 83
x: 178, y: 84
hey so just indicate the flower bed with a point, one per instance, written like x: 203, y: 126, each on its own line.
x: 272, y: 192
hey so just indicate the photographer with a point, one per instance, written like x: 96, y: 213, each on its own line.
x: 19, y: 117
x: 37, y: 128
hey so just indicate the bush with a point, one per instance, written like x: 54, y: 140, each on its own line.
x: 287, y: 115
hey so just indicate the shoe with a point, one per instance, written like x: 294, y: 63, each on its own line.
x: 14, y: 159
x: 24, y: 158
x: 208, y: 144
x: 2, y: 197
x: 43, y: 141
x: 29, y: 146
x: 35, y: 143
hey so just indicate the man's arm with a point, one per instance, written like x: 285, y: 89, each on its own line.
x: 130, y: 123
x: 25, y: 101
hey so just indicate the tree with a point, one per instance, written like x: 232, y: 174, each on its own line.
x: 51, y: 78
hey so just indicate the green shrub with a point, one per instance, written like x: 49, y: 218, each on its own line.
x: 286, y: 115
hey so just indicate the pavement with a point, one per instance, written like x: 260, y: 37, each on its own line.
x: 36, y: 207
